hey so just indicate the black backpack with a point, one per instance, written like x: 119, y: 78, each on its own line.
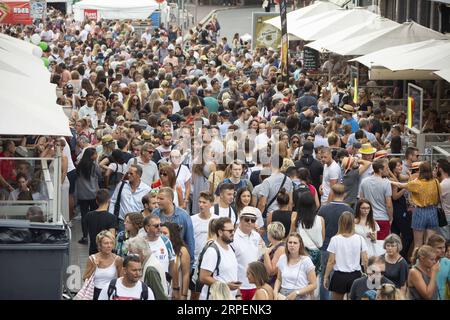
x: 344, y: 98
x: 112, y: 290
x: 230, y: 208
x: 209, y: 244
x: 298, y: 191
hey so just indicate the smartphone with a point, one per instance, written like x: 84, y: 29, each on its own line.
x: 237, y: 282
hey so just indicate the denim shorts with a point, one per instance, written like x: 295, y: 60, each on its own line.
x: 424, y: 218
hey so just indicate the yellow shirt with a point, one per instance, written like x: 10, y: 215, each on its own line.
x: 424, y: 192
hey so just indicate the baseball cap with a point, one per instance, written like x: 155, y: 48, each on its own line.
x: 308, y: 148
x: 143, y: 123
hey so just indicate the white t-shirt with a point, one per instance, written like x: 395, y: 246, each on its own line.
x: 312, y: 238
x: 159, y: 250
x: 124, y: 293
x: 150, y: 171
x: 200, y: 234
x: 348, y: 252
x: 331, y: 172
x: 247, y: 251
x: 225, y: 212
x: 295, y: 276
x: 228, y: 267
x: 183, y: 176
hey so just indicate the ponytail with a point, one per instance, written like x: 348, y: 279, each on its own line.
x: 283, y: 197
x: 422, y: 251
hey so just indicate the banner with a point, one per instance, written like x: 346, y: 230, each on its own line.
x: 38, y: 9
x: 90, y: 14
x: 355, y: 90
x: 284, y: 41
x: 265, y: 35
x: 15, y: 12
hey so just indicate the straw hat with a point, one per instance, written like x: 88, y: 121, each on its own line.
x: 381, y: 154
x: 347, y: 108
x: 367, y: 148
x: 415, y: 165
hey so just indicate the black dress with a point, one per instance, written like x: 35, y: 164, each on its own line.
x: 283, y: 216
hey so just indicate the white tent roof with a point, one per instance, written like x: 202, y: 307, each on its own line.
x: 316, y: 8
x: 29, y: 105
x: 332, y: 21
x: 444, y: 74
x: 377, y: 58
x: 405, y: 33
x: 372, y: 25
x: 116, y: 9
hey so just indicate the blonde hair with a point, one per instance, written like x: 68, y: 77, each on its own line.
x: 140, y: 246
x: 424, y: 251
x: 276, y: 230
x: 220, y: 291
x: 104, y: 234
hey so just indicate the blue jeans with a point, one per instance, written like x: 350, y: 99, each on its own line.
x: 324, y: 293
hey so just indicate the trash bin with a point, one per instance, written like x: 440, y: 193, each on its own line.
x: 33, y: 260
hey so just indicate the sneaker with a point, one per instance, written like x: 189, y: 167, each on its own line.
x: 83, y: 240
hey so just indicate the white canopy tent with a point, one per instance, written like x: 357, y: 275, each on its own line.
x: 117, y: 9
x: 333, y: 21
x: 28, y: 105
x: 412, y: 61
x: 444, y: 74
x: 318, y: 7
x: 408, y: 32
x: 375, y: 24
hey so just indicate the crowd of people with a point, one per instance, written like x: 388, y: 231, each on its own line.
x: 200, y: 174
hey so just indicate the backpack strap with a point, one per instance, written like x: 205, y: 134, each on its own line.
x: 216, y: 209
x: 214, y: 245
x: 264, y: 214
x: 112, y: 290
x: 119, y: 198
x: 144, y: 292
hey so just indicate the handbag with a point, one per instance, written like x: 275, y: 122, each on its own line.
x: 87, y: 290
x: 442, y: 219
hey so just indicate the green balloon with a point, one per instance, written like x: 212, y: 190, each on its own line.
x: 43, y: 45
x: 45, y: 60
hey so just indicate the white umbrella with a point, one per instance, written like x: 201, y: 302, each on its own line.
x: 10, y: 42
x: 372, y: 25
x: 378, y: 58
x: 405, y: 33
x: 333, y: 21
x: 314, y: 9
x: 444, y: 74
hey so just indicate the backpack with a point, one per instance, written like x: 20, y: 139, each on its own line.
x: 344, y: 98
x: 115, y: 177
x: 112, y: 290
x: 216, y: 212
x: 298, y: 191
x: 196, y: 277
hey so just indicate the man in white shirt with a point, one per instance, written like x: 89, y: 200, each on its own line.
x: 331, y: 174
x: 223, y: 206
x: 200, y: 223
x: 247, y: 243
x: 219, y: 262
x: 160, y: 246
x: 183, y: 176
x: 150, y: 171
x: 147, y: 35
x: 88, y: 110
x: 131, y: 194
x: 444, y: 173
x: 128, y: 287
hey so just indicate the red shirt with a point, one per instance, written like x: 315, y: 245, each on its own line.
x: 7, y: 168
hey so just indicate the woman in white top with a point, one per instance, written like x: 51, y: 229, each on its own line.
x: 310, y: 226
x: 296, y: 278
x: 367, y: 228
x: 347, y: 250
x: 152, y: 271
x: 104, y: 265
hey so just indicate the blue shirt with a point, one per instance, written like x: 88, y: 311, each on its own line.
x: 442, y: 277
x: 353, y: 123
x: 181, y: 218
x: 351, y: 139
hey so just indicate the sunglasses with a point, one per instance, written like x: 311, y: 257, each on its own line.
x: 163, y: 174
x: 249, y: 220
x: 230, y: 231
x: 295, y: 141
x: 156, y: 225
